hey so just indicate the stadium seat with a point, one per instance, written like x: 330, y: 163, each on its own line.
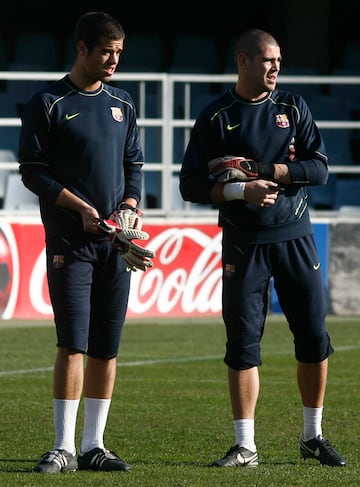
x: 348, y: 65
x: 198, y: 102
x: 69, y: 53
x: 349, y: 93
x: 151, y: 141
x: 34, y: 51
x: 6, y: 156
x: 323, y: 197
x: 304, y: 89
x: 229, y: 66
x: 9, y: 138
x: 3, y: 55
x: 196, y: 54
x: 347, y: 192
x: 350, y: 58
x: 8, y: 106
x: 143, y: 53
x: 17, y: 196
x: 152, y: 189
x: 328, y: 107
x: 337, y: 140
x: 338, y: 146
x: 3, y: 66
x: 19, y: 91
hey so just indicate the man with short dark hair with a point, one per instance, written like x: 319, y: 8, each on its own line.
x: 80, y: 152
x: 253, y: 152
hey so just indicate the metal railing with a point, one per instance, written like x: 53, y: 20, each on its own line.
x: 167, y: 105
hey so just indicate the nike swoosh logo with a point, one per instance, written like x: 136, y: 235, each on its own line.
x: 317, y: 452
x: 69, y: 117
x: 240, y: 458
x: 316, y: 266
x: 232, y: 127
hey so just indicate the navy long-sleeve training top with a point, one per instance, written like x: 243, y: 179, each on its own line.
x: 87, y: 142
x: 276, y: 129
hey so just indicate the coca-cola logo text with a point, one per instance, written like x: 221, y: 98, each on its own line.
x: 185, y: 279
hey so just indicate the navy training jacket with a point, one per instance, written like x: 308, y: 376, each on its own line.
x: 87, y: 142
x: 276, y: 129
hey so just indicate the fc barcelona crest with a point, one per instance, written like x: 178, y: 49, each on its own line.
x: 58, y: 261
x: 282, y: 121
x: 117, y: 114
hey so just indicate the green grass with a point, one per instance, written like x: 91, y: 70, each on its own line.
x: 170, y: 415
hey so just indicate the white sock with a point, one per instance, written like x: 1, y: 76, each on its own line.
x: 312, y: 422
x: 65, y: 413
x: 96, y: 413
x: 245, y: 433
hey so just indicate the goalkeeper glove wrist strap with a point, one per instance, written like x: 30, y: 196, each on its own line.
x: 266, y: 171
x: 234, y: 191
x: 125, y: 206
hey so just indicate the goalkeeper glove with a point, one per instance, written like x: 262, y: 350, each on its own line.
x: 127, y: 216
x: 134, y: 256
x: 237, y: 168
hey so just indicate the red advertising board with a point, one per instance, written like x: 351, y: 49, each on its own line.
x: 185, y: 279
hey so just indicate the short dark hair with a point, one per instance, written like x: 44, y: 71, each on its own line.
x: 252, y: 41
x: 92, y: 26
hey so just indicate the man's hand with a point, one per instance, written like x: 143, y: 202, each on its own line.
x: 135, y: 256
x: 262, y: 193
x: 238, y: 168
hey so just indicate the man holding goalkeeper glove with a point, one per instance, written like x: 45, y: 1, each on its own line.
x: 253, y: 152
x: 80, y: 152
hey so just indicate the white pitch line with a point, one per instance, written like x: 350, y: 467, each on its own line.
x: 136, y: 363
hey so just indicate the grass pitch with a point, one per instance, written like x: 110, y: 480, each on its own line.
x: 170, y: 415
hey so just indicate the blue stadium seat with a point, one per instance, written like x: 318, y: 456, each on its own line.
x: 195, y: 53
x: 69, y: 53
x: 6, y: 156
x: 349, y: 93
x: 199, y: 101
x: 143, y: 53
x: 337, y: 140
x: 229, y: 56
x: 8, y: 106
x: 338, y: 146
x: 304, y: 89
x: 19, y: 91
x: 151, y: 141
x: 34, y: 51
x: 347, y: 192
x: 152, y: 189
x: 350, y: 58
x: 328, y: 107
x: 9, y: 138
x: 323, y: 197
x: 3, y: 55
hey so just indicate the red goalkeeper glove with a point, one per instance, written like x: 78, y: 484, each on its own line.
x: 237, y: 168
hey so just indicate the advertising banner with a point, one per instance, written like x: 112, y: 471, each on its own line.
x: 185, y: 280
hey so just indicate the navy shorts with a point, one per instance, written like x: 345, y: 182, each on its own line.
x: 295, y: 268
x: 89, y: 290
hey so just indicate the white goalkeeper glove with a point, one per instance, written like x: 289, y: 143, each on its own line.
x: 127, y: 216
x: 134, y: 256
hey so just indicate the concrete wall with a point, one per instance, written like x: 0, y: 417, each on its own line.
x: 344, y: 267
